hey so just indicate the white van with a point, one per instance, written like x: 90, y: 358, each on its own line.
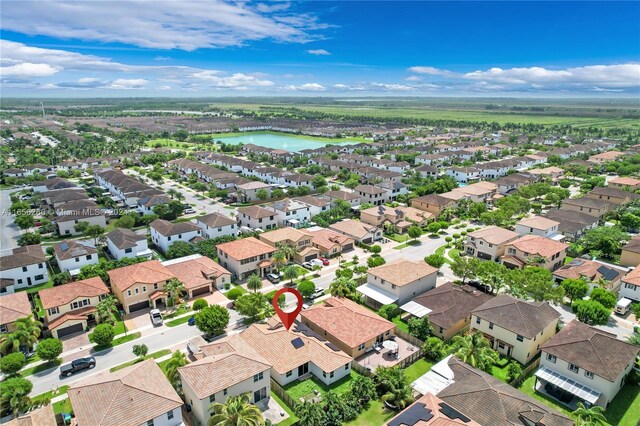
x: 623, y: 305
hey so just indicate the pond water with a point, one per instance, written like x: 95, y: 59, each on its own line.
x: 277, y: 141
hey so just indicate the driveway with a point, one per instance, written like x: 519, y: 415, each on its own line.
x: 10, y: 232
x: 618, y: 326
x: 75, y: 341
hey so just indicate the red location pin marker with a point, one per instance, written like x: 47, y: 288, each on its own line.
x: 287, y: 318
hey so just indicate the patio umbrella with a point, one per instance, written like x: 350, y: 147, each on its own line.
x: 391, y: 345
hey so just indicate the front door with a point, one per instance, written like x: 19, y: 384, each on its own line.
x: 28, y: 280
x: 303, y: 369
x: 259, y: 395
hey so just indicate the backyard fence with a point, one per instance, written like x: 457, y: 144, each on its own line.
x: 282, y: 394
x: 409, y: 338
x: 411, y: 359
x: 360, y: 369
x: 525, y: 373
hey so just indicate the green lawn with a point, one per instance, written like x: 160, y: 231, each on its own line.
x: 417, y: 369
x: 177, y: 321
x: 181, y: 310
x: 37, y: 288
x: 40, y: 367
x: 63, y: 406
x: 300, y: 389
x: 49, y: 395
x: 375, y: 415
x: 401, y: 324
x: 400, y: 238
x: 527, y: 387
x: 499, y: 371
x: 118, y: 341
x: 289, y: 421
x: 154, y: 355
x: 624, y: 410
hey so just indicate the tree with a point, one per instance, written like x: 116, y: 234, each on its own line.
x: 434, y: 349
x: 465, y: 267
x: 389, y: 311
x: 493, y: 274
x: 591, y: 312
x: 212, y: 320
x: 262, y: 194
x: 177, y: 360
x: 534, y: 283
x: 279, y: 259
x: 375, y: 261
x: 604, y: 240
x: 342, y: 287
x: 12, y: 363
x: 106, y: 309
x: 200, y: 304
x: 375, y: 249
x: 25, y: 335
x: 179, y: 249
x: 290, y: 273
x: 433, y: 228
x: 593, y: 416
x: 236, y: 411
x: 414, y: 232
x: 126, y: 221
x: 140, y: 350
x: 29, y: 238
x: 93, y: 231
x: 310, y: 414
x: 25, y: 222
x: 251, y: 305
x: 14, y: 393
x: 61, y: 278
x: 435, y: 260
x: 420, y: 328
x: 174, y: 289
x: 514, y: 370
x: 254, y: 282
x: 575, y: 289
x: 363, y: 390
x: 306, y: 288
x: 475, y: 350
x: 288, y: 250
x: 400, y: 394
x: 605, y: 297
x: 49, y: 349
x: 103, y: 334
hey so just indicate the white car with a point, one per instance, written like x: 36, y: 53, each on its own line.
x: 156, y: 317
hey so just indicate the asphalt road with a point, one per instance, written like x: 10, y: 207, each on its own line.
x: 9, y: 232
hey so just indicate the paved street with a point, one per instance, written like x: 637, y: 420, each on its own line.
x: 10, y: 232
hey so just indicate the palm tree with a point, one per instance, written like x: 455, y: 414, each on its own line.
x: 399, y: 396
x: 174, y: 288
x: 254, y: 283
x: 593, y: 416
x: 19, y: 404
x: 236, y: 411
x: 536, y: 260
x: 106, y: 308
x: 290, y: 273
x: 475, y: 350
x: 177, y: 360
x: 288, y: 250
x: 341, y: 287
x: 279, y: 259
x: 26, y: 333
x: 172, y: 192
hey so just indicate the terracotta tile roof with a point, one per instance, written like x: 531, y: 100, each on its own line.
x: 326, y: 239
x: 70, y: 249
x: 195, y: 271
x: 429, y: 404
x: 494, y: 235
x: 254, y: 185
x: 490, y: 401
x: 78, y: 314
x: 166, y: 228
x: 256, y: 212
x: 538, y: 222
x: 245, y: 248
x: 593, y: 350
x: 43, y: 416
x: 633, y: 245
x: 67, y: 293
x: 149, y: 272
x: 434, y: 199
x: 537, y: 245
x: 124, y: 238
x: 347, y: 321
x: 632, y: 277
x: 403, y: 272
x: 128, y: 397
x: 527, y: 319
x: 23, y: 256
x: 14, y: 306
x: 226, y: 363
x: 282, y: 234
x: 342, y: 195
x: 589, y: 269
x: 273, y: 342
x: 354, y: 228
x: 625, y: 181
x: 216, y: 220
x: 451, y: 303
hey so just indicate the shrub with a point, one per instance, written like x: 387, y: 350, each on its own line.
x: 463, y: 233
x: 434, y: 349
x: 103, y: 334
x: 448, y: 239
x: 470, y: 230
x: 591, y: 312
x: 456, y: 235
x: 389, y: 311
x: 200, y: 304
x: 420, y: 328
x: 514, y: 370
x: 435, y: 260
x: 49, y: 349
x: 306, y: 288
x: 12, y: 363
x: 234, y: 293
x: 375, y: 249
x: 375, y: 260
x: 212, y: 320
x: 605, y: 297
x: 140, y: 350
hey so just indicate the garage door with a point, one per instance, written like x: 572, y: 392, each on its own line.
x: 65, y: 331
x: 484, y: 256
x: 138, y: 306
x: 199, y: 291
x: 347, y: 247
x: 310, y: 257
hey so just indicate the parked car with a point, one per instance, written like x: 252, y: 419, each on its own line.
x: 77, y: 365
x: 189, y: 211
x: 485, y: 288
x: 306, y: 306
x: 307, y: 265
x: 318, y: 293
x: 324, y: 260
x: 317, y: 262
x: 192, y: 320
x: 274, y: 278
x: 156, y: 317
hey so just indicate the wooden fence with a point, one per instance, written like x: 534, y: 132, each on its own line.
x: 525, y: 373
x: 360, y: 369
x: 282, y: 394
x: 409, y: 338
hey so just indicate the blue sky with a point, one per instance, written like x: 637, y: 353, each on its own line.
x: 353, y: 48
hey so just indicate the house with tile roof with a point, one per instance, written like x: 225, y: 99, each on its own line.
x: 248, y: 192
x: 630, y: 287
x: 245, y: 257
x: 70, y: 306
x: 397, y: 282
x: 346, y: 324
x: 199, y: 274
x: 572, y: 224
x: 133, y: 396
x: 353, y: 198
x: 514, y: 327
x: 330, y: 243
x: 434, y: 203
x: 290, y: 212
x: 534, y: 247
x: 362, y: 233
x: 584, y: 364
x: 216, y: 225
x: 429, y: 410
x: 257, y: 217
x: 628, y: 183
x: 123, y: 243
x: 538, y: 225
x: 591, y: 206
x: 225, y: 368
x: 140, y: 286
x: 489, y: 243
x: 593, y: 272
x: 615, y: 196
x: 288, y: 236
x: 13, y: 307
x: 165, y: 233
x: 297, y: 353
x: 72, y: 255
x: 630, y: 255
x: 399, y: 217
x: 23, y: 268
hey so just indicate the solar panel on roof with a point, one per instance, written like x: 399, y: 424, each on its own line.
x: 297, y: 343
x: 64, y: 246
x: 412, y: 415
x: 452, y: 413
x: 607, y: 273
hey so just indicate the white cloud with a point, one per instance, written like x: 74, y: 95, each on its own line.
x: 167, y: 24
x: 429, y: 71
x: 307, y: 87
x: 28, y: 69
x: 127, y: 84
x: 164, y: 88
x: 234, y: 81
x: 413, y: 78
x: 318, y: 52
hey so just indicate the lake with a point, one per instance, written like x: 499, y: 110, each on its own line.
x: 280, y: 141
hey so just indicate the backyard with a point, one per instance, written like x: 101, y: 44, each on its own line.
x: 305, y: 388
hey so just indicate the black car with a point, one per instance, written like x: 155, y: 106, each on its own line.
x: 77, y: 365
x: 485, y: 288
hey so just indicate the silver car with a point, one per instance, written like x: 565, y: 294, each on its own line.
x: 156, y: 317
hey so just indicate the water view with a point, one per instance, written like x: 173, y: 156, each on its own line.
x: 278, y: 141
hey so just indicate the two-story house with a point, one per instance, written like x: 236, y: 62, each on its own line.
x: 165, y: 233
x: 627, y: 183
x: 199, y: 274
x: 539, y: 225
x: 489, y: 243
x: 630, y: 287
x: 140, y: 286
x: 397, y: 282
x: 70, y: 306
x: 434, y: 203
x: 246, y: 257
x: 13, y: 307
x: 630, y: 255
x: 123, y: 243
x: 257, y: 217
x: 72, y: 255
x: 514, y: 327
x: 401, y: 218
x: 294, y: 238
x: 535, y: 250
x: 290, y: 212
x: 330, y: 243
x: 216, y: 225
x: 372, y: 194
x: 24, y: 267
x: 584, y: 364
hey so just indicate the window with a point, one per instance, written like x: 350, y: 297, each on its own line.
x: 3, y: 328
x: 289, y: 373
x: 24, y: 269
x: 520, y: 338
x: 155, y: 286
x: 19, y: 280
x: 224, y: 392
x: 137, y: 290
x: 477, y: 320
x: 144, y: 289
x: 53, y: 311
x: 324, y: 374
x: 128, y: 292
x: 588, y: 374
x: 258, y: 376
x: 490, y: 326
x: 77, y: 259
x: 40, y: 265
x: 574, y: 368
x: 346, y: 366
x: 361, y: 347
x: 38, y: 277
x: 88, y: 257
x: 331, y: 375
x: 212, y: 398
x: 150, y: 422
x: 169, y: 415
x: 129, y: 250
